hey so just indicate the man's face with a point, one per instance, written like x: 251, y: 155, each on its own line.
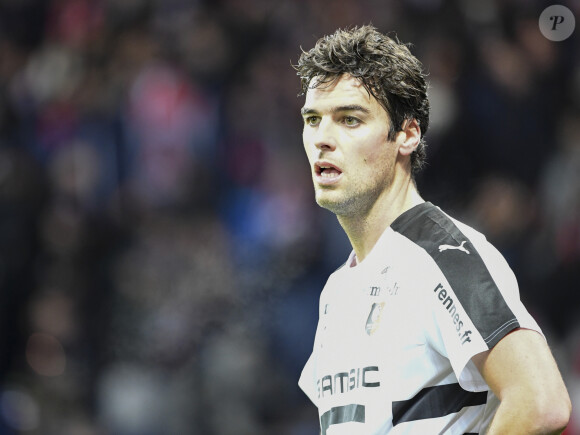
x: 345, y: 138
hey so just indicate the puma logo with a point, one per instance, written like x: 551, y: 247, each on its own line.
x: 460, y: 247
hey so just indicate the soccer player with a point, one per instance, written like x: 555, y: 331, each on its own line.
x: 422, y: 330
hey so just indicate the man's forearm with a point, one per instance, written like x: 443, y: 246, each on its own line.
x: 522, y: 416
x: 523, y: 374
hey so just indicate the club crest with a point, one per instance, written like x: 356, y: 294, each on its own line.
x: 374, y: 317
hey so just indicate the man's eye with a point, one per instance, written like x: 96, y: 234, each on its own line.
x: 312, y: 120
x: 351, y: 121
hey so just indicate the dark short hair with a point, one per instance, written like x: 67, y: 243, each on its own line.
x: 385, y: 67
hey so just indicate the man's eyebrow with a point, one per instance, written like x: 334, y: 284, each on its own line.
x: 307, y: 111
x: 346, y: 108
x: 351, y: 108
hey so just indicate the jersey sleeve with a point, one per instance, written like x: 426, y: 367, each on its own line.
x: 472, y: 298
x: 475, y: 305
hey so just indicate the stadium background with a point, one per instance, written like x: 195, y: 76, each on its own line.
x: 161, y: 254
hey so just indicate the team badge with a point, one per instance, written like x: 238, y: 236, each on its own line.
x: 374, y: 317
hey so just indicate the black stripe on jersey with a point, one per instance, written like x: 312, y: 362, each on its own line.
x: 342, y: 414
x: 433, y: 402
x: 428, y: 227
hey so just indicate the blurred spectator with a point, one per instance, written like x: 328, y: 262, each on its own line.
x: 169, y: 123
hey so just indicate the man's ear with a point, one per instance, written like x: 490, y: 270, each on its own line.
x: 409, y: 137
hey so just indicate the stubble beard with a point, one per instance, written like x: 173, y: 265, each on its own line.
x: 355, y: 199
x: 352, y: 204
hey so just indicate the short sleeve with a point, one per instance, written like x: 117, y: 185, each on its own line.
x: 474, y: 307
x: 473, y: 299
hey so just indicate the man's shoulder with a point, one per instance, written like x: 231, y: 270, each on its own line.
x: 436, y: 231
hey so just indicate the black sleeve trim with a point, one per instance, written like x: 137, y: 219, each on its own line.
x: 428, y: 227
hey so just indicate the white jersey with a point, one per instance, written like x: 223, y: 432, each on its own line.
x: 396, y: 333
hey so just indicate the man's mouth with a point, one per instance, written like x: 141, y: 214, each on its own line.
x: 327, y: 172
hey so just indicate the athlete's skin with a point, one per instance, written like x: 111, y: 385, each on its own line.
x: 368, y: 184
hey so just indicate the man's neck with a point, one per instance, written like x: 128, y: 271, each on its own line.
x: 365, y: 230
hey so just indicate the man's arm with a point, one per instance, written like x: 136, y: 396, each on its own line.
x: 522, y: 373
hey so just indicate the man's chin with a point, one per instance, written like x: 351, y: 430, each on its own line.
x: 337, y: 206
x: 325, y: 202
x: 326, y: 199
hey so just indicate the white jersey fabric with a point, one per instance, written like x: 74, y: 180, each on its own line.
x: 396, y: 333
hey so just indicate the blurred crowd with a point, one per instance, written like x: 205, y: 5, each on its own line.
x: 161, y: 253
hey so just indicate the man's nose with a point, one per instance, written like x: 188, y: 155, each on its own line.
x: 325, y: 136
